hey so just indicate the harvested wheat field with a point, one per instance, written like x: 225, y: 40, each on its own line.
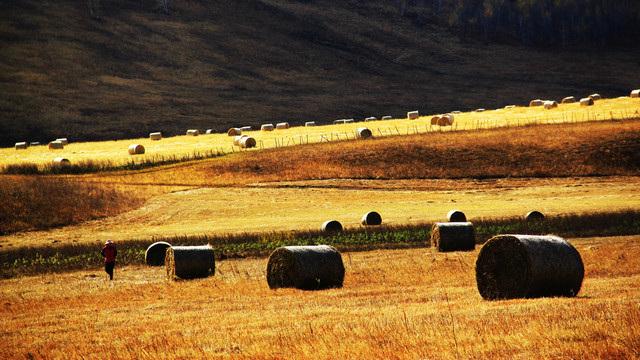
x: 394, y: 304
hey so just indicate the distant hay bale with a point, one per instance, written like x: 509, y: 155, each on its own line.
x: 136, y: 149
x: 305, y: 267
x: 310, y: 123
x: 234, y: 132
x: 267, y: 127
x: 59, y: 161
x: 435, y: 120
x: 331, y: 226
x: 337, y: 122
x: 156, y: 253
x: 236, y: 140
x: 282, y: 125
x: 364, y: 133
x: 569, y: 100
x: 245, y: 128
x: 536, y: 102
x: 481, y: 110
x: 371, y: 118
x: 34, y: 143
x: 442, y: 121
x: 56, y: 145
x: 210, y: 131
x: 550, y: 104
x: 349, y: 121
x: 453, y: 236
x: 528, y: 266
x: 533, y: 216
x: 456, y: 216
x: 21, y: 145
x: 193, y: 132
x: 190, y: 262
x: 509, y: 106
x: 411, y: 115
x: 455, y: 112
x: 448, y: 118
x: 586, y: 101
x: 155, y: 136
x: 247, y: 142
x: 64, y: 141
x: 371, y: 218
x: 635, y: 93
x: 387, y: 117
x: 595, y: 97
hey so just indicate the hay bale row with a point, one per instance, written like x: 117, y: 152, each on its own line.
x: 305, y: 267
x: 453, y: 236
x: 155, y: 136
x: 156, y: 253
x: 21, y: 145
x: 569, y: 100
x: 586, y: 101
x: 528, y: 266
x: 635, y: 93
x: 193, y: 132
x: 267, y: 127
x: 550, y: 104
x: 363, y: 133
x: 190, y: 262
x: 136, y: 149
x: 56, y: 145
x: 411, y: 115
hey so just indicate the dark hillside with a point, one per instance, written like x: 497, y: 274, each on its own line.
x: 217, y: 64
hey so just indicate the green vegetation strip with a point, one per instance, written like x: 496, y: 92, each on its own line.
x: 24, y: 261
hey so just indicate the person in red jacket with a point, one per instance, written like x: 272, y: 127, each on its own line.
x: 109, y: 252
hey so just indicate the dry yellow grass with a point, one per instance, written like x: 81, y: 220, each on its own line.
x: 395, y: 304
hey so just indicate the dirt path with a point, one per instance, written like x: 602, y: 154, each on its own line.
x: 306, y: 205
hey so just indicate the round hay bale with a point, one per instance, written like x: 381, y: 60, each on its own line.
x: 155, y: 136
x: 305, y: 267
x: 332, y: 226
x: 533, y: 216
x: 34, y: 143
x: 364, y: 133
x: 64, y: 141
x: 509, y: 106
x: 349, y: 121
x: 56, y: 145
x: 528, y: 266
x: 282, y: 126
x: 21, y: 145
x: 247, y: 142
x: 435, y: 120
x: 635, y: 93
x: 413, y: 114
x: 387, y: 117
x: 550, y: 104
x: 234, y: 132
x: 310, y: 123
x: 267, y: 127
x: 371, y: 118
x: 442, y: 121
x: 210, y: 131
x: 193, y: 132
x: 156, y: 253
x: 595, y: 97
x: 341, y: 121
x: 456, y: 216
x: 536, y: 102
x: 59, y: 161
x: 569, y: 100
x: 450, y: 118
x: 237, y: 139
x: 481, y: 110
x: 371, y: 218
x: 586, y: 101
x: 245, y: 128
x: 136, y: 149
x: 453, y: 236
x: 190, y: 262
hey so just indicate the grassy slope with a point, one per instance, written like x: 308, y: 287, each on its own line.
x: 225, y: 63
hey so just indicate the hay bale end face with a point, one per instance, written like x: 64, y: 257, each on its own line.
x: 364, y: 133
x: 247, y: 142
x: 435, y: 120
x: 156, y: 253
x: 155, y: 136
x: 569, y: 100
x: 193, y: 132
x: 305, y: 267
x: 528, y: 266
x: 136, y: 149
x: 635, y: 93
x: 456, y: 216
x: 371, y: 218
x: 21, y: 145
x: 411, y: 115
x: 56, y: 145
x: 190, y: 262
x: 533, y: 216
x: 234, y: 132
x: 457, y: 236
x: 586, y: 101
x: 442, y: 121
x: 536, y: 102
x: 332, y: 226
x: 237, y: 139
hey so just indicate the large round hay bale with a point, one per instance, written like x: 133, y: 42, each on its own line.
x: 453, y: 236
x: 635, y: 93
x: 456, y: 216
x: 60, y: 161
x: 332, y: 226
x: 533, y: 216
x: 371, y: 218
x: 536, y: 102
x: 550, y: 104
x: 190, y: 262
x: 236, y: 140
x: 435, y: 120
x: 595, y: 97
x: 586, y: 101
x: 305, y: 267
x: 56, y: 145
x: 156, y: 253
x: 247, y: 142
x: 21, y: 145
x: 267, y: 127
x: 569, y: 100
x: 413, y: 115
x: 193, y: 132
x: 136, y: 149
x: 234, y: 132
x: 364, y: 133
x: 155, y: 136
x: 282, y: 125
x: 450, y: 118
x: 528, y: 266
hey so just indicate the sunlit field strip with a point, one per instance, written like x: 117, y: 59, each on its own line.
x: 114, y: 153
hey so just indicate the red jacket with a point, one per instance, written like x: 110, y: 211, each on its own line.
x: 109, y: 252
